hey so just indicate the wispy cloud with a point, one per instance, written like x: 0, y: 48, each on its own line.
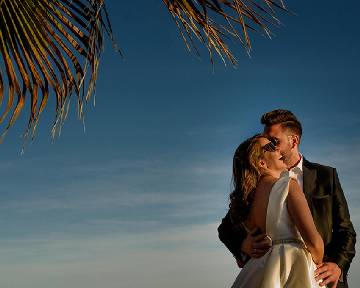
x: 175, y: 257
x: 119, y: 195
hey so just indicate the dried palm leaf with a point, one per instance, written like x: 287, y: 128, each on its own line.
x: 49, y: 46
x: 214, y: 21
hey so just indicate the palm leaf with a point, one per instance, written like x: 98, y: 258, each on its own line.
x: 53, y: 46
x: 213, y: 22
x: 49, y: 47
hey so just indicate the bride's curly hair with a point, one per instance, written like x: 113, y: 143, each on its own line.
x: 246, y: 175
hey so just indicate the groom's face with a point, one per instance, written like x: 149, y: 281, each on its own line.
x: 284, y: 140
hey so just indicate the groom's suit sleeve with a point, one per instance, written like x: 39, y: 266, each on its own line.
x: 341, y: 249
x: 231, y: 237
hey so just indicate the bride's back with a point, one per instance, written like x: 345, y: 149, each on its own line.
x: 258, y: 210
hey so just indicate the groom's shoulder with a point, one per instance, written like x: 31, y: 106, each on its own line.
x: 324, y: 174
x: 319, y: 167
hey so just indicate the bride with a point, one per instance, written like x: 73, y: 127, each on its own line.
x: 267, y: 198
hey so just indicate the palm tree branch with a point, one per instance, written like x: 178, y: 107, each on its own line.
x: 32, y: 35
x: 217, y: 20
x: 49, y: 47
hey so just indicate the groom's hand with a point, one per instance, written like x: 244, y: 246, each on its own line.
x: 256, y: 245
x: 329, y: 273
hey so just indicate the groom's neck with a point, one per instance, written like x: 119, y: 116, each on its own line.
x: 294, y: 159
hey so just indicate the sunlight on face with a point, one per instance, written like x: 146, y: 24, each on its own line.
x: 283, y: 137
x: 273, y: 159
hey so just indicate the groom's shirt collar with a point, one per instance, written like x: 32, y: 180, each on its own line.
x: 298, y: 171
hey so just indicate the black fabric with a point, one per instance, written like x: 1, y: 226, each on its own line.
x: 330, y: 211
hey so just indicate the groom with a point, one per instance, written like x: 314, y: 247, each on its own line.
x: 325, y: 198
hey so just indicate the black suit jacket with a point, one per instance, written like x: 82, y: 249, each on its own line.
x: 329, y: 209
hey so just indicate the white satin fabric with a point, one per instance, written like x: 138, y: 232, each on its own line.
x: 287, y: 263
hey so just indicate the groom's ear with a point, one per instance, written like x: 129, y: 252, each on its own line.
x: 295, y: 140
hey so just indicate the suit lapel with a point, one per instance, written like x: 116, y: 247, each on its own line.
x: 309, y: 180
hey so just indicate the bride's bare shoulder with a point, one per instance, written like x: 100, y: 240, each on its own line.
x: 265, y: 184
x: 267, y: 181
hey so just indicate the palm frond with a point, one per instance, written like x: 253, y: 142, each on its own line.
x: 213, y: 22
x: 49, y: 47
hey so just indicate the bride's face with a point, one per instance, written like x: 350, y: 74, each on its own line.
x: 272, y: 158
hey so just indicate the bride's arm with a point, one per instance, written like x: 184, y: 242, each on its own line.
x: 300, y: 214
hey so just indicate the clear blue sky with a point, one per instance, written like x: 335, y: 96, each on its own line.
x: 136, y: 199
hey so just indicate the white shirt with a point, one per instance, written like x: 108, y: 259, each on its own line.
x: 298, y: 172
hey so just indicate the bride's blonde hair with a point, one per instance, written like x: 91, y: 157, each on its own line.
x: 246, y: 175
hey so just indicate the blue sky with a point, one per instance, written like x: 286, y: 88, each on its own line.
x: 137, y: 198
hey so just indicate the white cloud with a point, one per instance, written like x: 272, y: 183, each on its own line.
x: 177, y: 257
x: 188, y: 256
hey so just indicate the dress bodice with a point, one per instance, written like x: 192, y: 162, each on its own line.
x: 278, y: 222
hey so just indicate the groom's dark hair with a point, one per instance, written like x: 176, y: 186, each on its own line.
x: 285, y: 118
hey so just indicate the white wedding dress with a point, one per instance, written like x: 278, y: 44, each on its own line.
x: 287, y: 263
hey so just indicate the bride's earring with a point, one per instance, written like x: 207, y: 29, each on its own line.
x: 263, y: 168
x: 262, y: 164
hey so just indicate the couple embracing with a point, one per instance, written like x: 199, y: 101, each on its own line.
x: 288, y: 224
